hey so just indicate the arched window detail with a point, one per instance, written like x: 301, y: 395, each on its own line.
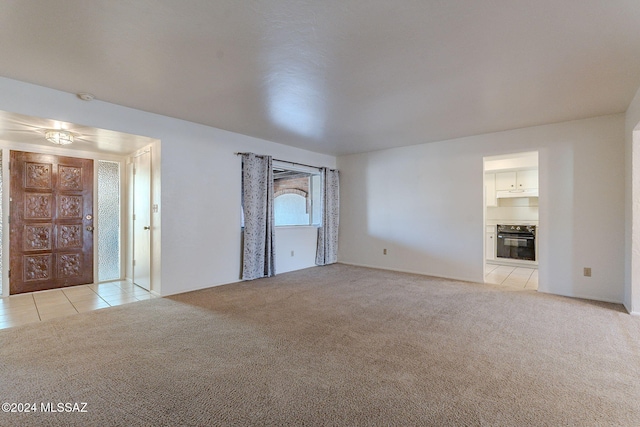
x: 297, y: 194
x: 291, y: 191
x: 291, y: 208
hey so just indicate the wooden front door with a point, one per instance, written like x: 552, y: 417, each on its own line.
x: 51, y: 220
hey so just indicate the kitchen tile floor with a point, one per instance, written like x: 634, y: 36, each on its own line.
x: 44, y: 305
x: 512, y: 277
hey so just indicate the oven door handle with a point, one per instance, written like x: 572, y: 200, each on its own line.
x: 515, y: 236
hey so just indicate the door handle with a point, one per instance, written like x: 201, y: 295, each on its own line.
x: 146, y: 227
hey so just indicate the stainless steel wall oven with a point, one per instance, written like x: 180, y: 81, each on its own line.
x: 516, y: 242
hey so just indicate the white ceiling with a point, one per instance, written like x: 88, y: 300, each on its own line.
x: 21, y: 129
x: 330, y: 76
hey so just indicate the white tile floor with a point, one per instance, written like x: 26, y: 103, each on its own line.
x: 513, y: 277
x: 37, y: 306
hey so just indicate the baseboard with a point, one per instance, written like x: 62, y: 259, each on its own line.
x: 630, y: 311
x: 421, y: 273
x: 587, y: 297
x: 199, y: 288
x: 582, y: 296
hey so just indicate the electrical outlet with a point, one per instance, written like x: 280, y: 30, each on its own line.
x: 384, y: 252
x: 587, y: 272
x: 291, y: 253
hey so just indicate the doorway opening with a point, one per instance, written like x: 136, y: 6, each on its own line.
x: 511, y: 220
x: 110, y: 152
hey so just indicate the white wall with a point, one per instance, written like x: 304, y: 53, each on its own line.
x: 632, y: 206
x: 424, y: 204
x: 200, y: 193
x: 513, y: 209
x: 301, y: 241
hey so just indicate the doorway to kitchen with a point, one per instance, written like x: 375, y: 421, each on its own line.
x: 511, y: 222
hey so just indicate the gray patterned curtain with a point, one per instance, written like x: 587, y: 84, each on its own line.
x: 327, y: 252
x: 257, y: 203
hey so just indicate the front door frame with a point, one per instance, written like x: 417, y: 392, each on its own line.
x: 6, y: 188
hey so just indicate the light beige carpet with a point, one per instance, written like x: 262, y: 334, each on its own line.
x: 336, y: 345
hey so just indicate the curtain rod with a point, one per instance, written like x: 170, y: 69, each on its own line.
x: 284, y: 161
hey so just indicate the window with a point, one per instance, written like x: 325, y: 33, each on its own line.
x: 108, y: 221
x: 297, y: 195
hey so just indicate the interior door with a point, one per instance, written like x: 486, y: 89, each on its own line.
x: 51, y: 222
x: 142, y: 220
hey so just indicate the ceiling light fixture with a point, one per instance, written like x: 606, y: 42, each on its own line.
x: 59, y: 137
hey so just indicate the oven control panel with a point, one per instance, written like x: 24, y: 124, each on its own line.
x: 528, y: 229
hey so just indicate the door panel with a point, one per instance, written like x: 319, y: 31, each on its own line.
x: 51, y: 242
x: 142, y: 221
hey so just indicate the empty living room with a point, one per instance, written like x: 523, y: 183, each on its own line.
x: 301, y: 213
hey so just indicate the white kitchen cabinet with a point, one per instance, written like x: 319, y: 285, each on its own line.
x: 517, y: 180
x: 527, y: 179
x: 490, y: 189
x: 490, y: 244
x: 505, y: 181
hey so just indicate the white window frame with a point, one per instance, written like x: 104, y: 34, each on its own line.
x: 315, y: 202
